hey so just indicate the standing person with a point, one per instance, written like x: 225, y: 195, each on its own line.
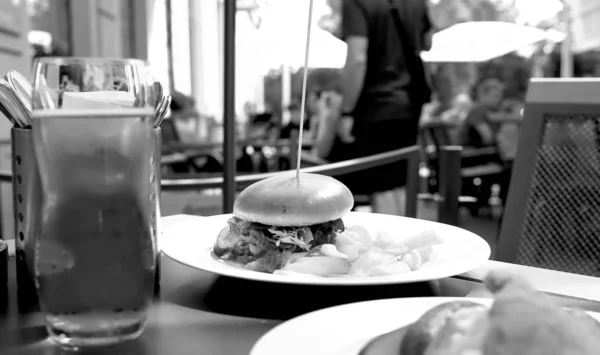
x: 384, y: 88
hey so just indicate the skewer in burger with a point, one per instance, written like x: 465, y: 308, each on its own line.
x: 282, y: 216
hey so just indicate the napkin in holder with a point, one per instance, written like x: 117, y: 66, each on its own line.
x: 97, y: 100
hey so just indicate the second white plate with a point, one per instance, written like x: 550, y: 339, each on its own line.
x: 346, y: 329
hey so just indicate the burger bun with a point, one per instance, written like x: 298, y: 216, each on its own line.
x: 284, y: 200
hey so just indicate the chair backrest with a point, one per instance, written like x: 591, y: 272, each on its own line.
x: 552, y: 216
x: 410, y: 154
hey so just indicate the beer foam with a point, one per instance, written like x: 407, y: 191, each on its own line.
x: 97, y: 99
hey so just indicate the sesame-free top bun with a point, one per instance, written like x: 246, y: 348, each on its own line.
x: 282, y: 201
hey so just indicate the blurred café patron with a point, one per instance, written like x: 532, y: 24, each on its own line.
x: 293, y: 126
x: 478, y: 129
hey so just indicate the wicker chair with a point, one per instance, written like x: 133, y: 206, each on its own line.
x: 552, y: 217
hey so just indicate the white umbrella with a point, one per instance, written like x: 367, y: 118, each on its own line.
x: 326, y: 51
x: 281, y: 38
x: 481, y: 41
x: 276, y: 48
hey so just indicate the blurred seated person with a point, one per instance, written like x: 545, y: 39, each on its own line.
x: 327, y: 145
x: 507, y: 139
x: 485, y: 126
x: 509, y: 117
x: 430, y: 110
x: 442, y: 97
x: 458, y: 112
x: 261, y: 126
x: 313, y: 113
x: 311, y: 118
x: 478, y: 129
x: 312, y: 102
x: 456, y: 115
x: 169, y: 129
x: 185, y: 117
x: 292, y: 128
x: 294, y: 124
x: 511, y: 109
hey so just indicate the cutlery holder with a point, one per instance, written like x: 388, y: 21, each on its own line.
x: 155, y: 178
x: 27, y: 205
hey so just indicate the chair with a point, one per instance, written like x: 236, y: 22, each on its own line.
x: 480, y: 167
x: 552, y: 216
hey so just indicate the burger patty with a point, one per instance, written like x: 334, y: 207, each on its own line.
x: 267, y: 248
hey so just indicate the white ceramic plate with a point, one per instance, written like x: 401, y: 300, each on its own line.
x: 346, y: 329
x: 191, y: 244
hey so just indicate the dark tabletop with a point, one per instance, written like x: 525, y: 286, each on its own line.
x: 200, y: 313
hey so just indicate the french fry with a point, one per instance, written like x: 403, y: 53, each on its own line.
x: 398, y: 252
x: 361, y: 236
x: 331, y: 250
x: 426, y: 253
x: 413, y: 260
x: 319, y: 265
x: 374, y: 257
x: 398, y: 267
x: 424, y: 239
x: 345, y: 245
x: 298, y: 256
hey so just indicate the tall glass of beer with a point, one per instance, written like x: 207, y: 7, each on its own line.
x: 95, y: 248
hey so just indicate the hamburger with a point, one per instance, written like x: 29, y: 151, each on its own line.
x: 279, y: 218
x: 521, y: 321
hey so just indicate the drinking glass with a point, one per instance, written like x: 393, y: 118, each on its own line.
x: 95, y: 249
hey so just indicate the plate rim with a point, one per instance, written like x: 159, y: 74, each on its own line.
x: 315, y: 280
x: 264, y: 340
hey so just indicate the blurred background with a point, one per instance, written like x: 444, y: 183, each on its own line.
x: 184, y: 41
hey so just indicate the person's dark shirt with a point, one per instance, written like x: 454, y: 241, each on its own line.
x: 387, y: 77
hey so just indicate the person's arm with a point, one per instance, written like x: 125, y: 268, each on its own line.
x: 329, y: 107
x: 325, y: 138
x: 355, y: 33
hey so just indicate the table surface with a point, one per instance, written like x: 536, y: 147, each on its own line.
x: 201, y: 313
